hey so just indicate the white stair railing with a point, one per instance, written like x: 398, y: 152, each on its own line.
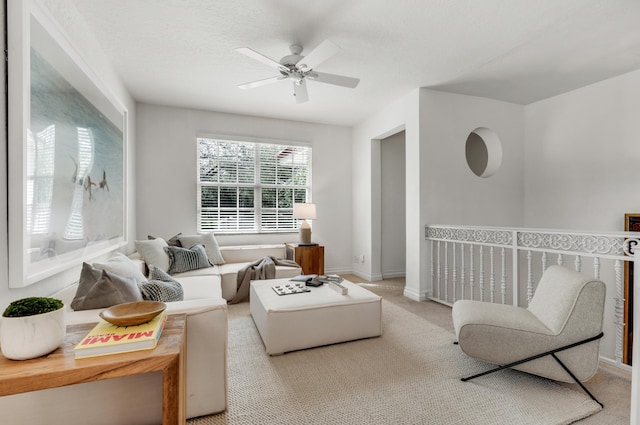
x: 515, y: 261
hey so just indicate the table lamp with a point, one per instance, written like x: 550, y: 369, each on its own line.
x: 305, y: 212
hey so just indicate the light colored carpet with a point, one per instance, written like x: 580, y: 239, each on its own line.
x: 409, y: 375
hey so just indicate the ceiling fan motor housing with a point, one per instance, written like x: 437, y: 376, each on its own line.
x: 290, y: 61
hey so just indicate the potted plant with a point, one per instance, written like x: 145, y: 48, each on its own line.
x: 32, y: 327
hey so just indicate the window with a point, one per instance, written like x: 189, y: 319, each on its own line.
x: 41, y: 149
x: 249, y: 187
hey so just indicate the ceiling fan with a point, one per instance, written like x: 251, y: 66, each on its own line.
x: 299, y: 69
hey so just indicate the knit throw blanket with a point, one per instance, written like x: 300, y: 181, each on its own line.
x: 264, y: 268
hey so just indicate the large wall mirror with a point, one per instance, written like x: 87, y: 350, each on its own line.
x: 66, y: 152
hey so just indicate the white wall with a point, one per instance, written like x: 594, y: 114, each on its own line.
x: 454, y: 194
x: 167, y: 171
x: 366, y: 230
x: 393, y: 200
x: 80, y: 36
x: 450, y: 192
x: 582, y: 157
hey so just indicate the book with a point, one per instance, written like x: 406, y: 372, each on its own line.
x: 303, y: 277
x: 328, y: 278
x: 107, y: 338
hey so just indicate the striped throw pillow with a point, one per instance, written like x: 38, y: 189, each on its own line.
x: 161, y: 287
x: 183, y: 259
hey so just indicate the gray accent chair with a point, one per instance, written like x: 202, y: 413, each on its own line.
x: 557, y: 336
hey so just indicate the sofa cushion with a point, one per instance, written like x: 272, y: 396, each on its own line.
x: 161, y: 287
x: 207, y: 271
x: 229, y: 276
x: 101, y: 288
x: 210, y: 244
x: 152, y: 252
x: 185, y: 259
x: 196, y: 287
x: 122, y: 265
x: 251, y: 253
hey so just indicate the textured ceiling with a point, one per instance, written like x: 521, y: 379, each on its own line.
x: 182, y: 52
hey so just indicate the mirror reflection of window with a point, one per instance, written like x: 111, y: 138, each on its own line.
x: 83, y: 164
x: 40, y: 168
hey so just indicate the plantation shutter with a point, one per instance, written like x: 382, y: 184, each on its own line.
x: 246, y: 187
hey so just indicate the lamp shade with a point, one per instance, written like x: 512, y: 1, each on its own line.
x: 304, y: 211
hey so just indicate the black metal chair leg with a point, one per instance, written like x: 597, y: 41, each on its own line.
x: 577, y: 380
x: 538, y: 356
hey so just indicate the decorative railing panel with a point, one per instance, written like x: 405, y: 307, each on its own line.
x: 503, y: 265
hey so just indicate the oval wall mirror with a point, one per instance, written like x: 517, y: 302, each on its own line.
x: 483, y: 152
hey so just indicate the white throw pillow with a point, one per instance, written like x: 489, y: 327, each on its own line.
x: 152, y: 251
x: 210, y: 245
x: 122, y: 265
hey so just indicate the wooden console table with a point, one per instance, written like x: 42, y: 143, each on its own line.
x: 62, y: 368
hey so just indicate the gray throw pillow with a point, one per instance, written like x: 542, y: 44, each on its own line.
x: 161, y: 287
x: 152, y: 252
x: 173, y: 241
x: 122, y: 266
x: 101, y: 288
x: 210, y: 245
x: 183, y: 259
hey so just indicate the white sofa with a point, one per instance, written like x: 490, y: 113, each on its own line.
x: 137, y: 399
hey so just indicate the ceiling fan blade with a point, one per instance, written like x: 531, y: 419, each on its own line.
x: 260, y: 58
x: 324, y: 51
x: 263, y: 82
x: 338, y: 80
x: 300, y: 91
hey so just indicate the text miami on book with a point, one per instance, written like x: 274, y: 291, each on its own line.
x: 106, y: 338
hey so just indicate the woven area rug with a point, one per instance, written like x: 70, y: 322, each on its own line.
x: 409, y: 375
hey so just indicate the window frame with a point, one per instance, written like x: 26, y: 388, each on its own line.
x: 257, y: 186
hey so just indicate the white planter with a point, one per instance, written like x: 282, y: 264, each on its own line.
x: 28, y: 337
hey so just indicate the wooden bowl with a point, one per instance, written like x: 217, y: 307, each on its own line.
x: 134, y: 313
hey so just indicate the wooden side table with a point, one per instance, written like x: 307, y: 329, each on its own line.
x: 309, y: 257
x: 62, y: 368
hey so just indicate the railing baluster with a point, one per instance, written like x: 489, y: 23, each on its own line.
x: 544, y: 261
x: 529, y: 276
x: 462, y: 272
x: 446, y: 271
x: 619, y: 310
x: 432, y: 271
x: 578, y: 263
x: 472, y: 272
x: 439, y: 275
x: 454, y: 270
x: 481, y: 272
x: 492, y: 276
x: 596, y: 267
x: 503, y: 278
x: 560, y: 259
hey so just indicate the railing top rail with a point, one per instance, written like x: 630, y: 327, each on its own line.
x: 615, y: 244
x: 624, y: 234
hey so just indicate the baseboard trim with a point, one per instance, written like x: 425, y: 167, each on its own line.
x: 338, y: 271
x: 621, y: 369
x: 416, y: 296
x: 365, y: 276
x: 394, y: 274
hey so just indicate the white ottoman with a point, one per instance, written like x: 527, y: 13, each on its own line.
x: 310, y: 319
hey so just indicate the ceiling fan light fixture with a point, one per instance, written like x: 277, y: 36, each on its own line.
x: 291, y: 67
